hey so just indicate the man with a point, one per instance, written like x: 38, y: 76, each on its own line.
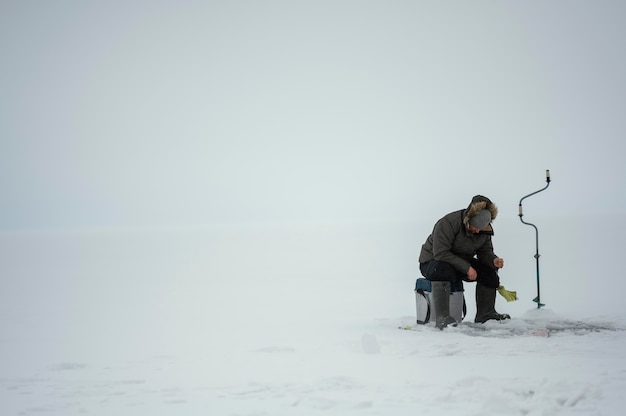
x: 460, y: 248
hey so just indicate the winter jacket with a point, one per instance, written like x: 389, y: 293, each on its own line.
x: 452, y: 242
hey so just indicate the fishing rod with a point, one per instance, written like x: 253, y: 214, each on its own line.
x: 521, y: 214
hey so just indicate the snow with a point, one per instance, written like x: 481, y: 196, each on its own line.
x: 290, y: 320
x: 146, y: 114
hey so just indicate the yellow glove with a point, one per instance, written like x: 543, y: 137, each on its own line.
x: 509, y: 295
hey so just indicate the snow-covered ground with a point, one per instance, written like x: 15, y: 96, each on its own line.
x: 300, y: 320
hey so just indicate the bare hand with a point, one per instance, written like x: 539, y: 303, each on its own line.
x: 498, y: 262
x: 471, y: 274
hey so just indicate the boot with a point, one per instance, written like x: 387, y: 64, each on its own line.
x: 485, y: 305
x: 441, y: 300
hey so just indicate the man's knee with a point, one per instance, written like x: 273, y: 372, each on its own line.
x: 487, y: 276
x: 439, y: 271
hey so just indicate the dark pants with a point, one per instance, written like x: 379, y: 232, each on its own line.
x: 442, y: 271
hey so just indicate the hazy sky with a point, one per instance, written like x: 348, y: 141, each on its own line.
x: 194, y: 112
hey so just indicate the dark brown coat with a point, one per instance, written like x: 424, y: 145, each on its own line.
x: 452, y: 242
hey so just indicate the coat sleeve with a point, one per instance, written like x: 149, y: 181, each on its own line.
x: 485, y: 253
x: 443, y: 239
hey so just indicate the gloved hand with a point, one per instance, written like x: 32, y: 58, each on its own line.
x: 509, y: 295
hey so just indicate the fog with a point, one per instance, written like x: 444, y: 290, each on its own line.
x: 193, y: 113
x: 316, y: 122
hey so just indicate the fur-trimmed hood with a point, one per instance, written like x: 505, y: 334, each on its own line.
x: 479, y: 203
